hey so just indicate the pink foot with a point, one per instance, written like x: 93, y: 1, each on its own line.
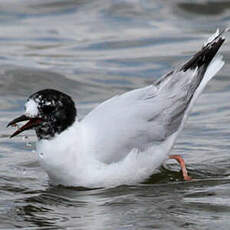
x: 180, y: 160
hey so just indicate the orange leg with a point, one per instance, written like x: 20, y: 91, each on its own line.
x: 180, y: 160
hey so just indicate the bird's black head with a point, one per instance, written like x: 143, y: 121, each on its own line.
x: 49, y: 112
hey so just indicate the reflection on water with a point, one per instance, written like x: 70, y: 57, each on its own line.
x: 93, y: 50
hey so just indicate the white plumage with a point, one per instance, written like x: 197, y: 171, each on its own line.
x: 124, y: 139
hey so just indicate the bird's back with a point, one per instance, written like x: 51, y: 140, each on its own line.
x: 145, y: 117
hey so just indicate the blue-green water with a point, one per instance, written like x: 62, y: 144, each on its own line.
x: 93, y: 50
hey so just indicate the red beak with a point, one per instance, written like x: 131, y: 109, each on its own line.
x: 32, y: 122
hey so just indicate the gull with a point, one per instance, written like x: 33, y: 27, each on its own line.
x: 124, y: 139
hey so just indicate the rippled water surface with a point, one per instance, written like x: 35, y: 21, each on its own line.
x: 93, y: 50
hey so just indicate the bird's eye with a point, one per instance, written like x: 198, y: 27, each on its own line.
x: 48, y: 109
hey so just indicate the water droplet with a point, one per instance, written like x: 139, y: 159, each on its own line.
x: 28, y: 143
x: 24, y: 138
x: 16, y: 126
x: 24, y: 171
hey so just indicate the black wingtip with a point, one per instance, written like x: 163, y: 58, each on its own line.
x: 205, y: 55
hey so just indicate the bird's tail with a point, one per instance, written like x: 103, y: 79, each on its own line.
x: 183, y: 86
x: 202, y: 58
x: 206, y: 54
x: 207, y: 64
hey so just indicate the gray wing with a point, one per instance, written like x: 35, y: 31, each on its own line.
x: 147, y: 116
x: 136, y: 119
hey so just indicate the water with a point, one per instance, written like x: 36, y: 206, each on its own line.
x: 93, y: 50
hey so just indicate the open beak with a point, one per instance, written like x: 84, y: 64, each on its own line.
x: 32, y: 122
